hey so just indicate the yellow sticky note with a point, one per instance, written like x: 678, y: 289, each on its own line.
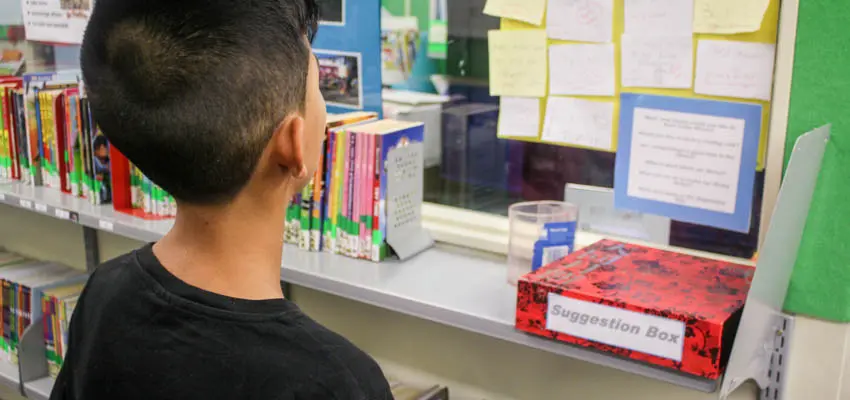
x: 530, y: 11
x: 518, y: 65
x: 728, y: 16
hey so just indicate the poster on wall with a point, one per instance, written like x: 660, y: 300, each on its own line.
x: 56, y: 21
x: 348, y: 46
x: 688, y: 159
x: 332, y: 12
x: 339, y: 78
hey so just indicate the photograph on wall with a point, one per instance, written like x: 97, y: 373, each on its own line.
x: 339, y: 78
x: 332, y: 12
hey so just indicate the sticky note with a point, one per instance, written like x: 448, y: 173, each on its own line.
x: 657, y: 61
x: 582, y: 69
x: 728, y: 16
x: 518, y: 63
x: 734, y: 69
x: 654, y: 17
x: 580, y: 20
x: 530, y: 11
x: 579, y: 122
x: 519, y: 117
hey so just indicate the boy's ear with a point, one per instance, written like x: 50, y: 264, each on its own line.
x: 288, y: 145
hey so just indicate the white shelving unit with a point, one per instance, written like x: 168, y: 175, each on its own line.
x: 439, y: 285
x: 9, y: 375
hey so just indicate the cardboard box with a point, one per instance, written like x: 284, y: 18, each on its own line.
x: 669, y: 309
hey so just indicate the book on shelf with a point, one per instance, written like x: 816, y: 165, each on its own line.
x: 48, y: 138
x: 344, y: 209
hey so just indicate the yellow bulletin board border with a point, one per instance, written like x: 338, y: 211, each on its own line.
x: 766, y: 34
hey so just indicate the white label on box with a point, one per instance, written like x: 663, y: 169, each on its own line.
x: 106, y: 225
x: 26, y: 204
x: 41, y: 207
x: 613, y: 326
x: 62, y: 214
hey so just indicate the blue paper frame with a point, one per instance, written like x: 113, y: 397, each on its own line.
x: 359, y: 33
x: 739, y: 220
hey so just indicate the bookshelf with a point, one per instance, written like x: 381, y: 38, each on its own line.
x: 440, y: 285
x: 9, y: 375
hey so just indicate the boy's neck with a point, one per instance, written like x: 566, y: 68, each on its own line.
x: 233, y: 250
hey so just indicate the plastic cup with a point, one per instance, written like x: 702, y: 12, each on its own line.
x: 528, y: 222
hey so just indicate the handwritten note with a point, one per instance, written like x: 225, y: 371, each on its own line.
x: 686, y: 159
x: 581, y: 20
x: 582, y: 69
x: 734, y: 69
x: 728, y: 16
x: 530, y: 11
x: 519, y: 117
x: 657, y: 61
x: 518, y: 63
x: 656, y: 17
x: 579, y: 122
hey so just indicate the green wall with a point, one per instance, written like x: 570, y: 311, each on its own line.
x: 820, y: 94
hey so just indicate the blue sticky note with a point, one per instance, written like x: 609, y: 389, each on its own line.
x: 646, y: 139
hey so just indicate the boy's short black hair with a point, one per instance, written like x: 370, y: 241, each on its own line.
x: 100, y: 141
x: 192, y: 90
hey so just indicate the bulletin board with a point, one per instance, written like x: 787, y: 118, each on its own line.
x: 766, y: 34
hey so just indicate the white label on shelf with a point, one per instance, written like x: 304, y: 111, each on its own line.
x: 41, y: 207
x: 2, y: 197
x: 62, y: 214
x: 26, y: 204
x: 613, y: 326
x: 106, y: 225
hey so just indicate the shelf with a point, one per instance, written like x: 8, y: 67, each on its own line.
x: 440, y: 285
x: 39, y: 389
x: 9, y: 375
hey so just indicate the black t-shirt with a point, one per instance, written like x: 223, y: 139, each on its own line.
x: 139, y: 332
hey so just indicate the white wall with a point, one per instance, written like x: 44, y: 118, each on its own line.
x: 474, y: 366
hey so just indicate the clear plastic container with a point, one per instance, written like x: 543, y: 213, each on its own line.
x: 528, y: 221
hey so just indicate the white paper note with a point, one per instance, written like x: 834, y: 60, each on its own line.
x: 686, y: 159
x: 530, y: 11
x: 729, y: 16
x: 656, y: 17
x: 735, y: 69
x: 579, y: 122
x: 518, y: 62
x: 519, y: 117
x: 657, y: 61
x: 580, y: 20
x: 582, y: 69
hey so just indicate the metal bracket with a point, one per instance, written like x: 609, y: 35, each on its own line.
x: 761, y: 345
x: 778, y: 363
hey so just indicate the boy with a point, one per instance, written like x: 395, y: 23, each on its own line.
x: 217, y: 102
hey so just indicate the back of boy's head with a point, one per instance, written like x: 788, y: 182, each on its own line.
x: 191, y: 90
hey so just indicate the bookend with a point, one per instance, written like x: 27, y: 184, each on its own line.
x: 405, y: 191
x: 762, y: 344
x: 32, y: 358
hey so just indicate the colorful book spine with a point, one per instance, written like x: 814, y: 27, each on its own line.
x: 336, y: 201
x: 304, y: 216
x: 327, y: 193
x: 368, y: 193
x: 316, y: 204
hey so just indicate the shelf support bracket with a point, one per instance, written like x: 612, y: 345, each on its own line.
x: 92, y: 246
x: 761, y: 345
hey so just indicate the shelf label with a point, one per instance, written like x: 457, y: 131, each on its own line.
x: 62, y: 214
x: 26, y: 204
x: 41, y: 207
x: 106, y: 225
x: 2, y: 197
x: 613, y: 326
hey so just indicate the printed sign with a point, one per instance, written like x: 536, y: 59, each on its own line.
x: 613, y: 326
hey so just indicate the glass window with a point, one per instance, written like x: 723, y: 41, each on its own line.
x: 478, y: 171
